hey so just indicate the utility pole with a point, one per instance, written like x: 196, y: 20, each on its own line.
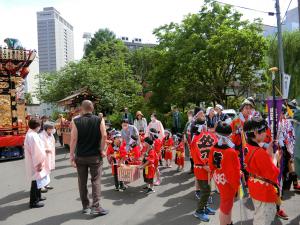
x: 280, y: 48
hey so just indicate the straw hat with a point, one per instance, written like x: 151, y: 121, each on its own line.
x: 139, y: 113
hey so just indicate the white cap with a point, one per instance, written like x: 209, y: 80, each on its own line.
x: 219, y: 106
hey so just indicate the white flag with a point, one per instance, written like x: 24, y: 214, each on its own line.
x: 286, y: 86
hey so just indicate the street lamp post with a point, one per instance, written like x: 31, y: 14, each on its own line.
x: 273, y: 71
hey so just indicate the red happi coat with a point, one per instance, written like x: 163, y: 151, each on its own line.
x: 200, y: 148
x: 168, y: 145
x: 134, y: 156
x: 237, y: 131
x: 157, y: 147
x: 115, y: 156
x: 259, y: 163
x: 150, y: 157
x: 180, y: 154
x: 225, y: 166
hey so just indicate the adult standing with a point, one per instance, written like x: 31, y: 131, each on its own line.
x: 238, y: 136
x: 177, y: 120
x: 140, y: 122
x: 263, y: 174
x: 58, y: 126
x: 211, y: 119
x: 187, y: 138
x: 127, y: 116
x: 220, y: 115
x: 129, y: 131
x: 157, y: 125
x: 88, y: 137
x: 35, y: 157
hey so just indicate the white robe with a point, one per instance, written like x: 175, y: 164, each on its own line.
x: 34, y: 155
x: 49, y: 144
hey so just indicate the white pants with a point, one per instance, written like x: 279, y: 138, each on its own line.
x: 264, y: 213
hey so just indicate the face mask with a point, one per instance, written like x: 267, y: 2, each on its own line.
x: 190, y: 118
x: 152, y: 119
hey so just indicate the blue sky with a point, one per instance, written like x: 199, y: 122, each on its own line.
x: 132, y: 18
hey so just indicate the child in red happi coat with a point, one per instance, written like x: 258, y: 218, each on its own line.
x: 134, y: 153
x: 200, y: 150
x: 157, y: 145
x: 168, y: 145
x: 116, y: 155
x: 148, y: 165
x: 179, y: 158
x: 225, y: 168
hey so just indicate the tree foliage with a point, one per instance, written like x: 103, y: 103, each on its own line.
x: 103, y: 71
x: 291, y: 50
x: 205, y: 55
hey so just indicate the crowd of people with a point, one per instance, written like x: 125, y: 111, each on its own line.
x: 239, y: 155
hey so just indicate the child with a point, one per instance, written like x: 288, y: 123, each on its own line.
x: 148, y: 165
x: 263, y: 174
x: 49, y: 143
x: 134, y: 153
x: 200, y: 148
x: 116, y: 154
x: 179, y: 159
x: 157, y: 145
x: 35, y: 158
x: 168, y: 144
x: 225, y: 167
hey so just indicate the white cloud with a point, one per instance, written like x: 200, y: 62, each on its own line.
x: 133, y: 18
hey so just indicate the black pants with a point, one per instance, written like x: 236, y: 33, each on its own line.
x: 35, y: 193
x: 118, y: 184
x: 192, y: 164
x: 60, y: 138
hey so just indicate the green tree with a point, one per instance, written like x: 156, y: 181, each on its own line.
x: 291, y: 50
x: 104, y: 71
x: 206, y: 55
x: 104, y: 45
x: 28, y: 98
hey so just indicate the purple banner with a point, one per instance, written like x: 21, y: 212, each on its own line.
x: 269, y: 102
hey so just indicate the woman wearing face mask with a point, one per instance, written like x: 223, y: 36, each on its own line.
x: 157, y: 125
x: 35, y: 158
x: 49, y: 143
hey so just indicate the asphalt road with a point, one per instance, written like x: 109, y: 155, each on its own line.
x: 172, y: 204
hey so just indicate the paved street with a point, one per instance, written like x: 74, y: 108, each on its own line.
x: 172, y: 204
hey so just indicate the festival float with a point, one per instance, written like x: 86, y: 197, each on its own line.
x: 71, y: 105
x: 14, y: 68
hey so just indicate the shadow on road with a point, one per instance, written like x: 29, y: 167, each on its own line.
x: 69, y: 175
x: 176, y: 189
x: 14, y: 197
x: 60, y: 219
x: 8, y: 211
x: 179, y: 212
x: 130, y: 196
